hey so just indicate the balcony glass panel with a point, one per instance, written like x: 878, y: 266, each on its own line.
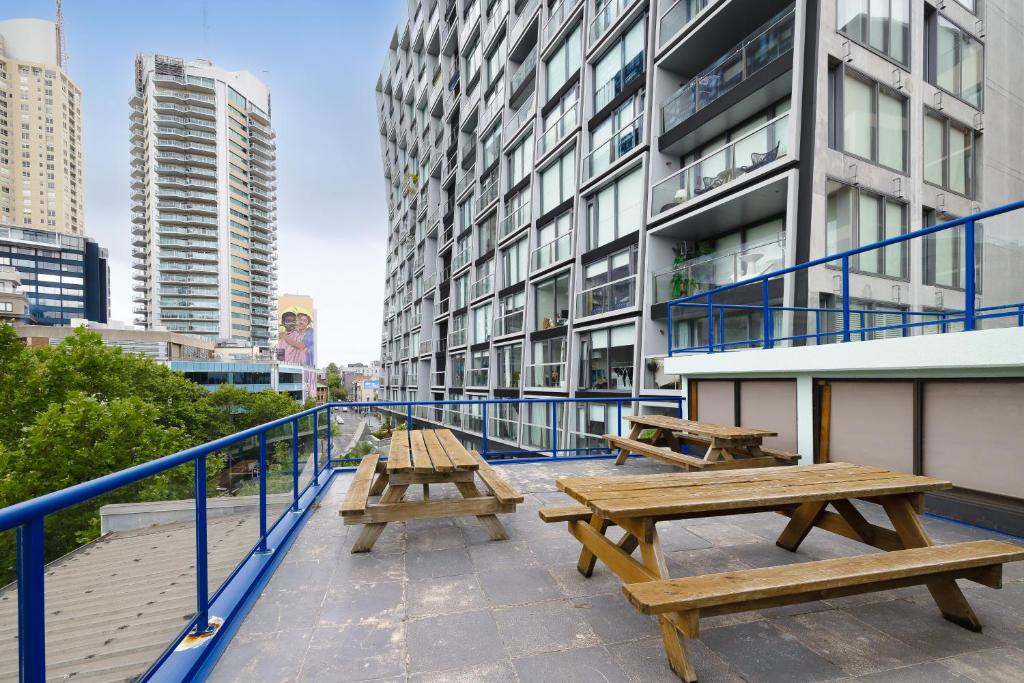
x: 756, y: 149
x: 546, y: 375
x: 762, y: 48
x: 618, y: 145
x: 608, y: 297
x: 554, y: 251
x: 678, y: 15
x: 558, y: 129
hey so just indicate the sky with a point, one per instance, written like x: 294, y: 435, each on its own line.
x: 321, y: 59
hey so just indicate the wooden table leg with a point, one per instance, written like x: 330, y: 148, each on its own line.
x: 379, y: 484
x: 946, y: 593
x: 587, y: 560
x: 371, y: 532
x: 633, y: 434
x: 675, y: 646
x: 800, y: 524
x: 494, y: 527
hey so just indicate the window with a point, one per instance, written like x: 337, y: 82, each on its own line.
x: 609, y: 284
x: 491, y: 147
x: 551, y: 302
x: 564, y: 63
x: 510, y: 365
x: 882, y: 25
x: 944, y: 254
x: 513, y: 262
x: 616, y: 135
x: 460, y: 291
x: 615, y: 210
x: 482, y: 316
x: 520, y: 161
x: 858, y: 217
x: 554, y: 241
x: 948, y: 154
x: 621, y: 65
x: 466, y: 213
x: 485, y: 234
x: 474, y: 56
x: 954, y: 59
x: 510, y: 314
x: 560, y: 120
x: 548, y: 366
x: 458, y: 373
x: 496, y: 63
x: 868, y: 120
x: 558, y: 181
x: 606, y: 358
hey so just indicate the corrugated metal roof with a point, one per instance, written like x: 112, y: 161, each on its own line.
x: 114, y: 605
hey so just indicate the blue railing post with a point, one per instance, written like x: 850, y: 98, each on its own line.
x: 295, y: 465
x: 969, y: 274
x: 711, y: 326
x: 1020, y: 315
x: 408, y: 423
x: 846, y: 298
x: 31, y: 611
x: 721, y: 328
x: 618, y: 417
x: 766, y: 320
x: 202, y: 577
x: 262, y: 547
x: 484, y: 432
x: 554, y: 429
x: 330, y: 441
x: 668, y: 317
x: 861, y: 319
x: 316, y: 450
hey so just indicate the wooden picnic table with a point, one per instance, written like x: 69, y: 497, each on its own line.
x: 637, y: 503
x: 425, y: 457
x: 727, y: 447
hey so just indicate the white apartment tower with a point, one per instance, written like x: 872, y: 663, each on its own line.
x: 204, y: 231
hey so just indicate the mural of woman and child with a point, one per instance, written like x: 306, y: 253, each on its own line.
x: 295, y: 339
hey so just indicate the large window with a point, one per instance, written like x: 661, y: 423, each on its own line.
x: 606, y: 358
x: 520, y: 161
x: 857, y: 217
x: 486, y: 232
x: 883, y: 25
x: 482, y: 317
x: 548, y: 365
x: 496, y: 63
x: 868, y: 120
x: 560, y: 120
x: 615, y: 210
x: 948, y: 154
x: 620, y: 65
x: 558, y: 181
x: 510, y: 365
x: 466, y: 209
x: 945, y: 253
x: 514, y: 262
x: 564, y: 63
x: 551, y: 302
x: 955, y: 60
x: 609, y: 284
x: 554, y: 242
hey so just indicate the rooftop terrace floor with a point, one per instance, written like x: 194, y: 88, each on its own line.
x: 437, y: 601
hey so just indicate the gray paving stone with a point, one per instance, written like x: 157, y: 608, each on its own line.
x: 276, y: 660
x: 922, y: 626
x: 644, y: 661
x: 367, y: 603
x: 304, y: 575
x: 371, y: 566
x: 543, y: 627
x: 614, y: 620
x: 354, y: 653
x: 575, y: 585
x: 760, y: 651
x: 452, y: 641
x: 582, y: 665
x: 494, y: 672
x: 282, y: 611
x: 501, y: 555
x: 929, y: 672
x: 999, y: 665
x: 444, y: 595
x: 518, y: 586
x: 434, y: 563
x: 437, y: 538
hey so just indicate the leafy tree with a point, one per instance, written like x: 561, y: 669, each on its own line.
x: 336, y: 390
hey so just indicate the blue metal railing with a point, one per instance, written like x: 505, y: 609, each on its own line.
x: 844, y: 313
x: 238, y: 592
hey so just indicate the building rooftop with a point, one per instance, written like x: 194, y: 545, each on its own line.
x: 436, y: 601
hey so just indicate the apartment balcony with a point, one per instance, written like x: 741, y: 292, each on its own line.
x: 515, y: 221
x: 604, y: 19
x: 556, y: 19
x: 457, y: 338
x: 482, y: 287
x: 510, y: 323
x: 461, y: 259
x: 716, y: 269
x: 437, y: 378
x: 467, y: 179
x: 546, y: 375
x: 494, y: 107
x: 523, y: 74
x: 443, y: 308
x: 754, y: 151
x: 771, y: 44
x: 525, y: 20
x: 488, y: 194
x: 478, y: 378
x: 554, y: 251
x: 624, y: 140
x: 558, y: 129
x: 493, y: 23
x: 518, y: 120
x: 634, y: 69
x: 606, y: 298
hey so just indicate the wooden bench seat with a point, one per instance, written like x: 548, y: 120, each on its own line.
x: 568, y: 513
x: 359, y: 490
x: 751, y: 589
x: 698, y: 440
x: 655, y: 452
x: 495, y: 483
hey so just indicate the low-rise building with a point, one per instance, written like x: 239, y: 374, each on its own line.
x: 159, y: 345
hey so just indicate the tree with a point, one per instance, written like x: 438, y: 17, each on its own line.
x: 336, y: 390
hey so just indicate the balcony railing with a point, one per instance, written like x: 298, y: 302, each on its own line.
x: 524, y: 112
x: 558, y: 129
x: 478, y: 377
x: 551, y: 252
x: 516, y: 220
x: 633, y: 70
x: 712, y: 270
x: 678, y: 15
x: 488, y: 193
x: 461, y: 259
x: 556, y: 18
x: 466, y: 180
x: 522, y: 20
x: 754, y: 150
x: 437, y: 378
x: 457, y: 338
x: 603, y: 20
x: 510, y: 323
x: 764, y: 46
x: 525, y: 71
x: 546, y: 375
x: 482, y: 287
x: 618, y: 145
x: 611, y: 296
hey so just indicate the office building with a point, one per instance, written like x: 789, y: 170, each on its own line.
x: 41, y: 173
x: 557, y: 171
x: 160, y: 346
x: 204, y: 233
x: 13, y: 302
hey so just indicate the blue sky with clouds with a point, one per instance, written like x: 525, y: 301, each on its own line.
x: 321, y: 59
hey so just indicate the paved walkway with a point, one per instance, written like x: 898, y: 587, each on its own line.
x: 437, y: 601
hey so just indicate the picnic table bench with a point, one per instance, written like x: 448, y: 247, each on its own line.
x: 425, y: 457
x: 727, y: 447
x: 637, y: 503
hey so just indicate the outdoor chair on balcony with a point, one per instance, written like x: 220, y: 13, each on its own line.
x: 711, y: 183
x: 759, y: 159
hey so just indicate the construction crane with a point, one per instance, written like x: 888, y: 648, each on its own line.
x: 62, y: 51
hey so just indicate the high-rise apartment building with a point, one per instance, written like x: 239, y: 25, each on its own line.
x: 557, y: 171
x: 41, y: 172
x: 204, y: 232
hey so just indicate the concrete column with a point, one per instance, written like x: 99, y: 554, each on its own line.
x: 805, y: 418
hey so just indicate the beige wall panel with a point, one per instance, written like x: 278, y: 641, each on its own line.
x: 873, y: 424
x: 974, y: 435
x: 716, y: 402
x: 772, y: 406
